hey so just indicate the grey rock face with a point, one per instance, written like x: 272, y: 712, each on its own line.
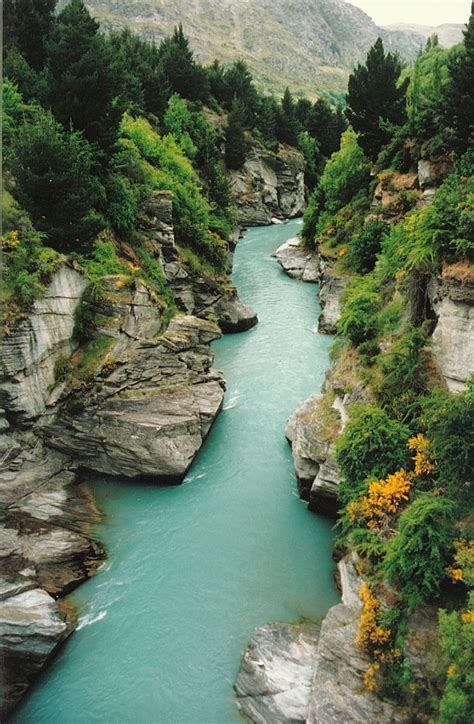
x: 298, y: 262
x: 31, y: 629
x: 195, y: 293
x: 332, y: 286
x: 269, y: 186
x: 313, y: 454
x: 431, y: 173
x: 276, y: 671
x: 29, y: 353
x: 152, y: 412
x: 453, y: 336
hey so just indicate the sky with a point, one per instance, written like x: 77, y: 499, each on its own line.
x: 423, y: 12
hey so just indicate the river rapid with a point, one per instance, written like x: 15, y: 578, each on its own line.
x: 192, y: 570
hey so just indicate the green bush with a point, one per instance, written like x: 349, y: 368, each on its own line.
x: 417, y: 557
x: 449, y: 422
x: 358, y: 320
x: 402, y: 376
x: 365, y: 246
x: 371, y: 446
x: 457, y: 644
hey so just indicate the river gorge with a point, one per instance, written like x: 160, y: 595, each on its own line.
x: 193, y: 569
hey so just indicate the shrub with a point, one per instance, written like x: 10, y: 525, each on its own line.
x: 371, y: 447
x: 457, y: 644
x: 365, y: 246
x: 417, y: 557
x: 361, y: 302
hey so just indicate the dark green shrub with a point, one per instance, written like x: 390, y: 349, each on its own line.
x: 365, y: 246
x: 361, y: 302
x: 417, y: 557
x: 371, y: 446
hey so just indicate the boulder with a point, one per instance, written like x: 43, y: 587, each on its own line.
x: 298, y: 262
x: 276, y: 671
x: 270, y: 186
x: 452, y: 300
x: 149, y: 416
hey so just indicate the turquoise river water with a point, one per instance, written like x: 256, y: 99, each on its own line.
x: 192, y: 570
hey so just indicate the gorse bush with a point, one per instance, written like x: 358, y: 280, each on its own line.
x: 371, y: 446
x: 358, y: 320
x: 417, y: 557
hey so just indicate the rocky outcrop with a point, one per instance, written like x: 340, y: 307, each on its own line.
x: 298, y: 262
x: 276, y: 671
x: 30, y: 352
x: 337, y: 692
x: 311, y: 431
x: 332, y: 286
x: 298, y: 673
x: 195, y: 292
x: 46, y: 550
x: 149, y: 416
x: 269, y: 185
x: 452, y: 300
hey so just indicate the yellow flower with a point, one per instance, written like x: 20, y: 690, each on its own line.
x: 342, y: 251
x: 133, y: 267
x: 467, y: 616
x: 120, y: 283
x: 451, y: 670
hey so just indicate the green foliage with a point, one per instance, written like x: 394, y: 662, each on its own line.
x: 376, y: 99
x: 178, y: 121
x: 449, y: 422
x: 26, y: 263
x: 371, y: 447
x: 102, y: 260
x: 235, y: 143
x: 158, y: 163
x: 122, y: 204
x: 361, y: 303
x: 81, y: 82
x: 182, y: 73
x: 12, y: 108
x: 326, y: 125
x: 55, y: 184
x: 32, y: 85
x: 346, y: 175
x: 417, y: 557
x: 26, y: 27
x: 402, y: 376
x: 429, y: 78
x: 155, y: 274
x: 458, y: 96
x: 365, y: 246
x: 288, y: 126
x: 457, y: 644
x: 308, y: 146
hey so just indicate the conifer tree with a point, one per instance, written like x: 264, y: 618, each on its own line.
x: 376, y: 102
x: 235, y: 144
x: 288, y: 125
x: 81, y: 81
x: 26, y: 26
x: 459, y: 96
x: 182, y: 73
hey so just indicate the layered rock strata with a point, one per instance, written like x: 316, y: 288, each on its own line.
x: 306, y: 673
x: 269, y: 186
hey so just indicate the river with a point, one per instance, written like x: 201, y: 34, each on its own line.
x: 192, y: 570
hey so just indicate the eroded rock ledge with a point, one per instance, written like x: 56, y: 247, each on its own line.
x: 306, y: 673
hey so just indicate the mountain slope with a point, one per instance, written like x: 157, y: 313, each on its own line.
x: 310, y: 45
x: 448, y: 34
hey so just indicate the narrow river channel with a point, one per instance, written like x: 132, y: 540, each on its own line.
x: 192, y: 570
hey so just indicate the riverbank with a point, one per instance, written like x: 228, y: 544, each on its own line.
x: 193, y: 570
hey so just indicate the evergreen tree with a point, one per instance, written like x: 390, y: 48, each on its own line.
x: 81, y: 81
x: 327, y: 126
x: 267, y: 119
x: 55, y: 184
x: 26, y: 26
x: 459, y: 96
x: 239, y: 85
x: 376, y: 103
x: 180, y: 70
x: 235, y: 144
x: 288, y: 126
x: 303, y: 111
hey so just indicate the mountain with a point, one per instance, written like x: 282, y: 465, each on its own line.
x: 309, y: 45
x: 448, y: 34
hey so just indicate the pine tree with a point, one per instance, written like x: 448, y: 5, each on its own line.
x: 327, y: 126
x: 459, y: 96
x: 26, y: 26
x: 288, y: 126
x: 55, y: 184
x: 235, y: 144
x: 376, y: 103
x: 180, y: 70
x: 82, y: 85
x: 267, y: 119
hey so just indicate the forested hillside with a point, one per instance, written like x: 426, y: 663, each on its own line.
x: 405, y: 456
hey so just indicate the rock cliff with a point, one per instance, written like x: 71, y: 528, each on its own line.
x: 307, y: 673
x: 270, y: 185
x: 93, y: 379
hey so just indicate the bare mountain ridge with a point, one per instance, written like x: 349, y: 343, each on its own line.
x: 309, y: 45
